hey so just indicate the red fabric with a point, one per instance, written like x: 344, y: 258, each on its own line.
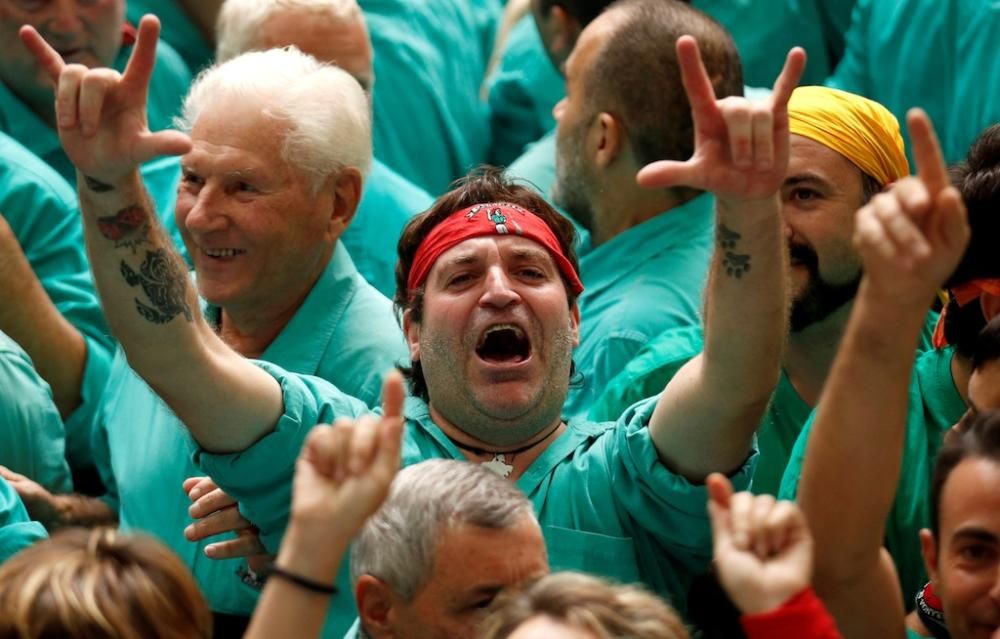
x: 492, y: 218
x: 129, y: 34
x: 802, y: 617
x: 963, y: 294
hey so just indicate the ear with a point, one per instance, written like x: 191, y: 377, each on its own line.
x: 560, y: 32
x: 346, y: 191
x: 929, y: 549
x: 374, y: 600
x: 411, y: 330
x: 574, y: 323
x: 609, y: 139
x: 990, y: 305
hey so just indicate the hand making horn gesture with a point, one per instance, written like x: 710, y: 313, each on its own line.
x: 912, y: 237
x: 101, y: 114
x: 741, y: 147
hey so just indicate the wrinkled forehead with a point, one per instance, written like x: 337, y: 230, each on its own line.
x: 489, y: 249
x: 970, y: 499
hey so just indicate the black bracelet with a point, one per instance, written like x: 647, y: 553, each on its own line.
x: 302, y: 582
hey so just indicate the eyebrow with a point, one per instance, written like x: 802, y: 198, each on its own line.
x: 523, y: 252
x: 973, y: 533
x: 807, y: 178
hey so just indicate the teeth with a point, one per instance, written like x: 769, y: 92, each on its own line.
x: 223, y: 252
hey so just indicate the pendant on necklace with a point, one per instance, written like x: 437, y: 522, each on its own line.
x: 499, y: 465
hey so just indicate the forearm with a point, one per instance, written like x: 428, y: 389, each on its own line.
x: 57, y: 349
x: 286, y: 609
x: 68, y: 511
x: 707, y: 416
x: 152, y: 308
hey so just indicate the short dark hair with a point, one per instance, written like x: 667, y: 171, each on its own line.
x: 981, y: 440
x: 485, y: 184
x: 987, y: 345
x: 583, y: 11
x: 636, y: 77
x: 978, y: 181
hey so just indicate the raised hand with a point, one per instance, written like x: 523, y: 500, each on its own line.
x: 101, y: 114
x: 762, y: 547
x: 344, y: 471
x: 216, y: 513
x: 912, y: 237
x: 741, y: 147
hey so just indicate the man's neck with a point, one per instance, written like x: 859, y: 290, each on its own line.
x: 249, y: 331
x: 620, y: 209
x: 515, y: 459
x: 809, y: 354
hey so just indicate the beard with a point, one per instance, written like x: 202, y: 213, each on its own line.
x: 570, y: 189
x: 819, y: 299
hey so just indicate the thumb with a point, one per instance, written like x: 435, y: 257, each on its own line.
x: 668, y: 173
x: 152, y: 145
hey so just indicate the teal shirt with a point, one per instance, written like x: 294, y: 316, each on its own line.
x: 176, y: 29
x: 430, y: 123
x: 344, y: 332
x: 387, y: 204
x: 947, y: 66
x: 32, y: 441
x: 167, y: 89
x: 41, y: 209
x: 522, y: 93
x: 934, y: 406
x: 637, y: 285
x: 656, y: 364
x: 17, y: 531
x: 605, y: 502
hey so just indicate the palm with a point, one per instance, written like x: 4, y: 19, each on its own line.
x: 741, y: 148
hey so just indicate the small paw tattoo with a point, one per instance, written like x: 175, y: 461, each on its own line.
x: 728, y: 237
x: 736, y: 264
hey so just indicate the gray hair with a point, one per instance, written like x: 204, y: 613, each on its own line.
x: 398, y: 543
x: 327, y: 111
x: 240, y: 21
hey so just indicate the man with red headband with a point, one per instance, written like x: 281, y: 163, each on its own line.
x: 488, y: 289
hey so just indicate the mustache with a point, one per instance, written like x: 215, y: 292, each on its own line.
x: 804, y: 255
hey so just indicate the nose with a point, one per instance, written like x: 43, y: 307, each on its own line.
x: 64, y: 18
x: 201, y: 213
x: 558, y: 109
x: 499, y: 292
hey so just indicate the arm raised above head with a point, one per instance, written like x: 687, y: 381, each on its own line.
x: 708, y: 413
x: 225, y: 401
x: 910, y: 240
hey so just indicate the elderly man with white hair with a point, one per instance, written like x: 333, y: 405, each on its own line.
x: 334, y: 32
x: 271, y: 178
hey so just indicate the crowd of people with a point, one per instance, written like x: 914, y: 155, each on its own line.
x: 498, y: 319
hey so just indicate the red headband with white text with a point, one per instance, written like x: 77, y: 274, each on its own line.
x: 493, y: 218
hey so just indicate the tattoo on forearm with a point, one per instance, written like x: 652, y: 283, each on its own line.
x: 128, y: 228
x: 736, y: 264
x: 96, y: 185
x: 164, y: 283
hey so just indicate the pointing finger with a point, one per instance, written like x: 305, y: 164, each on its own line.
x: 48, y: 59
x: 393, y: 394
x: 789, y: 77
x: 143, y: 58
x: 927, y: 152
x: 697, y: 85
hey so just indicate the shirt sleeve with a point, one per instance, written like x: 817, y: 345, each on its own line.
x: 17, y: 531
x: 803, y: 616
x: 260, y: 477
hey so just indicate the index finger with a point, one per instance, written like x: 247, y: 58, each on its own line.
x: 139, y: 69
x: 697, y: 85
x: 393, y: 394
x: 788, y: 79
x: 47, y: 57
x: 927, y: 151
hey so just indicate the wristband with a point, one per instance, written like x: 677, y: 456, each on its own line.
x: 300, y: 581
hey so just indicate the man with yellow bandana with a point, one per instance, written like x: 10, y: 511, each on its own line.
x: 844, y: 149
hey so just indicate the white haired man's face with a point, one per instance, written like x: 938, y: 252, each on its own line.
x: 343, y: 42
x: 257, y: 232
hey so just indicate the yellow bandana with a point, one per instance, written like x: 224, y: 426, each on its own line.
x: 863, y: 131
